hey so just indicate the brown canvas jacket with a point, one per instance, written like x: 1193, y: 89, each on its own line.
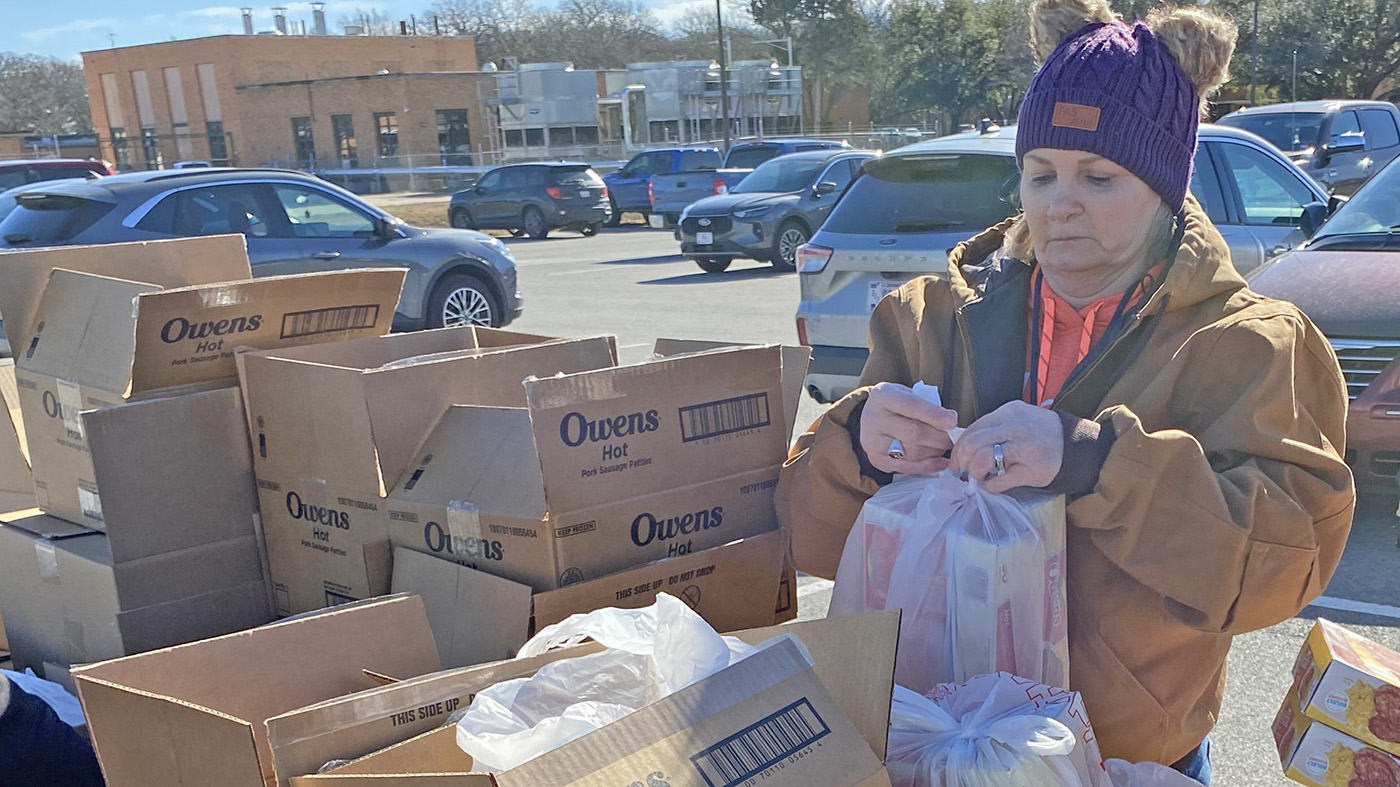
x: 1221, y: 507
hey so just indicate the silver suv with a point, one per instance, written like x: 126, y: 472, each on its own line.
x: 910, y: 207
x: 293, y: 223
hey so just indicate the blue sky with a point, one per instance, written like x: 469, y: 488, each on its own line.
x: 63, y: 29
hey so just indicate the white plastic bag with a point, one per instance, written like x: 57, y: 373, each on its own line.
x: 978, y: 576
x: 995, y: 731
x: 650, y: 653
x: 1146, y: 774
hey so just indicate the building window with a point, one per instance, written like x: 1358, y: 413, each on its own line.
x: 586, y: 135
x: 561, y: 137
x: 387, y: 127
x: 305, y: 145
x: 150, y: 147
x: 515, y: 138
x: 534, y: 137
x: 119, y: 152
x: 343, y: 128
x: 218, y: 144
x: 454, y: 139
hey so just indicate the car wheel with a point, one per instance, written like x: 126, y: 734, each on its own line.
x: 463, y: 299
x: 790, y: 235
x: 462, y: 219
x: 591, y: 230
x: 616, y: 218
x: 535, y: 226
x: 713, y: 264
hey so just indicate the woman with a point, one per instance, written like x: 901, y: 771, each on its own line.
x: 1102, y: 345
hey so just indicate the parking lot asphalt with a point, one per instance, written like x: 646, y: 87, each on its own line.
x: 632, y: 283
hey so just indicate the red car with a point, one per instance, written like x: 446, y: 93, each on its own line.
x: 1347, y: 279
x: 22, y: 171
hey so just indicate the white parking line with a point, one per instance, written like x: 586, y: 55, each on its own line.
x: 1358, y: 607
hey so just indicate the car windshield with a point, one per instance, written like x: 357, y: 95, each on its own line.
x: 780, y: 176
x: 928, y: 192
x: 1374, y: 209
x: 1287, y: 131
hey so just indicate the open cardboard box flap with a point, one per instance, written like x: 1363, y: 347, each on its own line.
x: 136, y: 337
x: 720, y: 584
x: 853, y: 656
x: 796, y: 360
x: 312, y: 390
x: 167, y: 263
x: 711, y: 395
x: 160, y: 718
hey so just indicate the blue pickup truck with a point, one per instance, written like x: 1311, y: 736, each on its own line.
x: 673, y: 193
x: 630, y: 187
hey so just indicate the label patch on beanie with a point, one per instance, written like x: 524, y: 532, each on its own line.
x: 1078, y: 116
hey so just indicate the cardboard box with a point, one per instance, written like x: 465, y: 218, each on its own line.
x: 336, y: 425
x: 67, y: 600
x: 91, y: 348
x: 478, y: 618
x: 196, y: 713
x: 604, y: 469
x: 1314, y: 754
x: 16, y: 482
x: 796, y: 360
x: 1350, y: 684
x: 168, y: 263
x: 681, y: 740
x: 178, y: 480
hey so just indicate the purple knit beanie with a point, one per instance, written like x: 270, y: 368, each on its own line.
x: 1116, y: 91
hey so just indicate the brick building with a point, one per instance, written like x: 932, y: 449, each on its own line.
x: 155, y: 104
x: 392, y: 120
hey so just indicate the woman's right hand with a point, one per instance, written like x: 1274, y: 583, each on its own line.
x: 895, y: 412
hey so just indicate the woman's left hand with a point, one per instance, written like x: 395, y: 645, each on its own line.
x: 1032, y: 443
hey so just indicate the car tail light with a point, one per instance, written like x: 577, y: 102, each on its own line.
x: 651, y: 194
x: 720, y: 186
x: 555, y: 192
x: 605, y: 192
x: 812, y: 259
x: 802, y: 331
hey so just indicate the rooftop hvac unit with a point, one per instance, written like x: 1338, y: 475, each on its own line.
x: 354, y: 30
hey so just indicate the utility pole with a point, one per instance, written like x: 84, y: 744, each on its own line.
x: 1254, y: 74
x: 1295, y: 75
x: 723, y: 74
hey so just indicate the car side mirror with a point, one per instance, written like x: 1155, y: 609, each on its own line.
x: 480, y: 189
x: 824, y: 188
x: 1346, y: 143
x: 383, y: 228
x: 1334, y: 202
x: 1314, y: 214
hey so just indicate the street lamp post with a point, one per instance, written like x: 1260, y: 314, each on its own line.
x: 1295, y: 75
x: 723, y: 75
x: 1254, y: 72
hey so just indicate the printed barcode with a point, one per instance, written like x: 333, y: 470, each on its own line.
x: 340, y: 318
x: 977, y: 583
x: 761, y: 746
x: 713, y: 419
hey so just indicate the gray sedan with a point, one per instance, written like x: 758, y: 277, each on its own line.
x: 771, y: 212
x: 293, y: 223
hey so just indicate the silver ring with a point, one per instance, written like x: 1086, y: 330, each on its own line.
x: 999, y: 459
x: 896, y: 451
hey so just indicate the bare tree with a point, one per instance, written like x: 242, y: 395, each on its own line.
x: 42, y: 94
x: 374, y: 21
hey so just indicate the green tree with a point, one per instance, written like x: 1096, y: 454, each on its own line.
x: 833, y: 45
x: 945, y: 57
